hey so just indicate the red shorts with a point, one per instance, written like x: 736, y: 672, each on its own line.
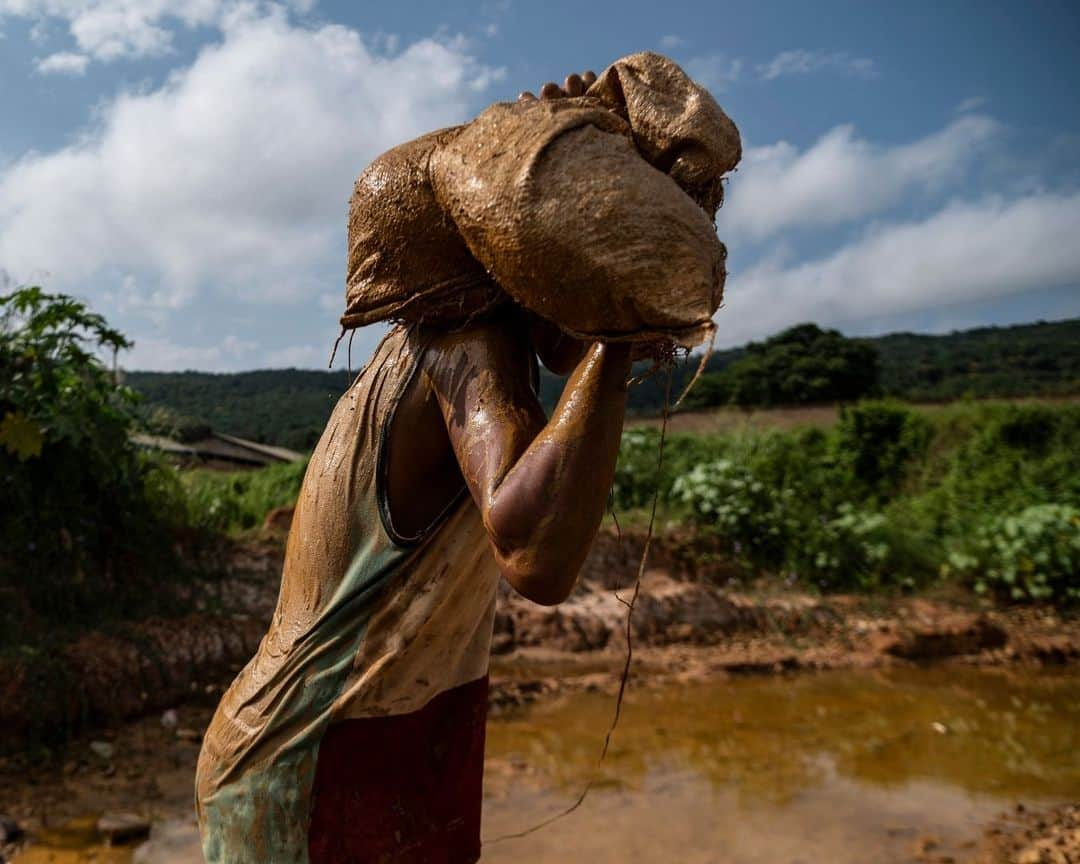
x: 404, y: 789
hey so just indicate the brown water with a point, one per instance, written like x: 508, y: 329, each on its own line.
x: 834, y: 768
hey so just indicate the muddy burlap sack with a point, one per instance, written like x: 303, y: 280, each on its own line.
x: 595, y: 212
x: 407, y: 260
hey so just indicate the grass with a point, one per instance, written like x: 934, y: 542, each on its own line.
x: 237, y: 501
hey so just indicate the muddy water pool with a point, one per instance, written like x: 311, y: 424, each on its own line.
x: 836, y: 767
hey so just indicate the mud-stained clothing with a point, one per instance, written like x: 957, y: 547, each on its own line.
x: 356, y: 733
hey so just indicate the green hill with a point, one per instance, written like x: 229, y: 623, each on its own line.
x: 289, y: 407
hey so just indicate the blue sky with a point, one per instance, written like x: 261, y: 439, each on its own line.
x: 185, y: 166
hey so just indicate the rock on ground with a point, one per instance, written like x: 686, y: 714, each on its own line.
x: 175, y: 841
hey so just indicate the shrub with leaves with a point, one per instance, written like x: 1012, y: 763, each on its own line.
x: 78, y: 536
x: 728, y: 500
x: 878, y: 443
x: 1033, y: 555
x: 636, y: 475
x: 851, y: 549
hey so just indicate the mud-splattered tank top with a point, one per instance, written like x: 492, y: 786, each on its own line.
x: 375, y: 664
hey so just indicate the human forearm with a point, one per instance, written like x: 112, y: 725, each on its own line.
x: 546, y: 510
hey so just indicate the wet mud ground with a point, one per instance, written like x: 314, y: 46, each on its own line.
x: 771, y: 727
x: 901, y: 764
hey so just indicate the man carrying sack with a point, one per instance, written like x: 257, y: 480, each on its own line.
x: 577, y: 228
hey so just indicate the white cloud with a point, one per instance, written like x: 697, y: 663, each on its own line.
x: 229, y: 183
x: 299, y: 356
x: 715, y: 71
x: 157, y: 354
x: 972, y: 103
x: 237, y: 171
x: 110, y: 29
x: 842, y: 177
x: 968, y: 251
x: 802, y: 62
x: 670, y: 42
x: 64, y: 63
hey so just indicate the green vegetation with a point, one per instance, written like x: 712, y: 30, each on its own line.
x: 286, y: 407
x: 1034, y: 555
x: 1040, y: 359
x: 889, y: 498
x: 289, y: 407
x: 95, y: 533
x: 87, y: 523
x: 801, y: 365
x: 239, y: 500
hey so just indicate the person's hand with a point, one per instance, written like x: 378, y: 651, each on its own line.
x: 574, y: 85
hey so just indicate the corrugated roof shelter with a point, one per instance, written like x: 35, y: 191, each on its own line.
x: 218, y: 450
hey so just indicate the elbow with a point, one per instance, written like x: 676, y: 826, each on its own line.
x: 543, y: 585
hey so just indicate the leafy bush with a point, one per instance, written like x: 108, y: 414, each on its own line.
x: 803, y: 364
x: 852, y: 549
x: 878, y: 443
x: 731, y: 502
x: 78, y: 536
x: 881, y: 498
x: 1001, y: 460
x: 1034, y: 555
x: 636, y: 475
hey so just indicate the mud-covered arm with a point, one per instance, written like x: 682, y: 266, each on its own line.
x: 541, y: 485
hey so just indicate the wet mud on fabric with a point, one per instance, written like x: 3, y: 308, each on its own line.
x: 364, y: 628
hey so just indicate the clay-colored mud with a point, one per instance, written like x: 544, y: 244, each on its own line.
x: 837, y: 767
x: 895, y: 765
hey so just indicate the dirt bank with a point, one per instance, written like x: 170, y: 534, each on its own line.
x: 145, y: 695
x: 691, y: 620
x: 688, y: 624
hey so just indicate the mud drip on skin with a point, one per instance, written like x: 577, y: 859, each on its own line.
x: 844, y: 767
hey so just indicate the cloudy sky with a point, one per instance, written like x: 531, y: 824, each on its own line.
x: 185, y: 166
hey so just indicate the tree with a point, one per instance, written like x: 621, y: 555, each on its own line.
x: 80, y: 530
x: 804, y: 364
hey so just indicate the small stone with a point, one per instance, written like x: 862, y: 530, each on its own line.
x: 940, y: 728
x: 171, y: 842
x: 122, y: 827
x: 102, y: 749
x: 169, y: 719
x: 10, y: 831
x: 925, y: 845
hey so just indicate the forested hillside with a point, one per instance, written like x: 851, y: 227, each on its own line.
x: 290, y: 406
x: 1041, y: 359
x: 287, y: 407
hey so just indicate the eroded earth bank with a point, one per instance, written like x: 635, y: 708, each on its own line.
x: 764, y: 723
